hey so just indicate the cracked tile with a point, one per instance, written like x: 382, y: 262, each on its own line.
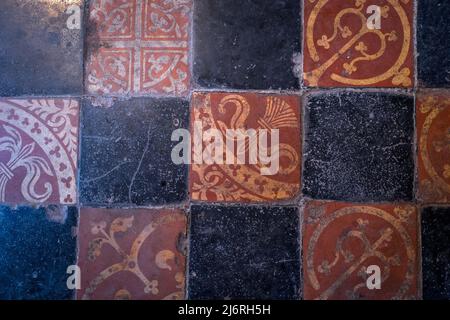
x: 243, y: 181
x: 38, y: 151
x: 40, y: 54
x: 138, y: 47
x: 359, y: 146
x: 244, y: 253
x: 237, y: 60
x: 126, y: 153
x: 433, y: 134
x: 36, y: 247
x: 344, y: 46
x: 133, y: 254
x: 343, y: 241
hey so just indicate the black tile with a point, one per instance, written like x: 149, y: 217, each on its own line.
x: 247, y: 44
x: 126, y: 153
x: 38, y: 53
x: 358, y: 146
x: 36, y: 247
x: 433, y: 29
x: 436, y: 253
x: 244, y: 253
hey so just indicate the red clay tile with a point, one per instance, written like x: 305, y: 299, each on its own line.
x: 38, y: 150
x: 138, y: 47
x: 340, y: 50
x: 131, y: 254
x: 245, y: 182
x: 342, y: 240
x: 433, y: 132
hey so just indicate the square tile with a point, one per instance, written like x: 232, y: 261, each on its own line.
x: 38, y: 150
x: 244, y: 253
x: 432, y: 28
x: 238, y: 178
x: 359, y: 146
x: 138, y: 47
x: 436, y: 253
x: 41, y: 50
x: 133, y: 254
x: 344, y: 46
x: 36, y: 248
x: 341, y: 241
x: 228, y: 54
x: 433, y: 134
x: 126, y: 153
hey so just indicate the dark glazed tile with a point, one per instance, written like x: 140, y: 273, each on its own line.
x: 436, y: 253
x: 433, y: 28
x: 244, y: 182
x: 135, y: 254
x: 358, y: 146
x: 126, y: 153
x: 342, y: 240
x: 244, y: 253
x: 39, y: 54
x: 227, y: 53
x: 341, y: 51
x: 36, y: 247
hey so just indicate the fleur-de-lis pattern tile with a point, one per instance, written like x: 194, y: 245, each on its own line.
x: 38, y: 150
x: 433, y: 141
x: 241, y: 179
x: 361, y: 43
x: 133, y: 254
x: 344, y: 244
x: 138, y: 47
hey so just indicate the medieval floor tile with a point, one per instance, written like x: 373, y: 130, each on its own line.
x: 36, y: 248
x: 236, y: 60
x: 135, y: 254
x: 38, y: 150
x: 343, y: 243
x: 433, y: 134
x: 433, y: 28
x: 126, y: 153
x: 138, y: 47
x: 41, y: 47
x: 359, y: 146
x: 232, y: 178
x: 244, y: 253
x: 346, y: 47
x: 435, y: 253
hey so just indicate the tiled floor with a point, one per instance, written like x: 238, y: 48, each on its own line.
x: 101, y: 166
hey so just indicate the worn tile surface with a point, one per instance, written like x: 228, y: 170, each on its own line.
x: 243, y: 181
x: 38, y: 150
x: 126, y: 158
x: 226, y: 50
x: 433, y: 132
x: 436, y: 253
x: 39, y: 54
x: 342, y: 240
x: 138, y: 47
x: 131, y: 254
x: 343, y: 48
x: 358, y: 146
x: 244, y: 253
x: 432, y: 28
x: 36, y: 247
